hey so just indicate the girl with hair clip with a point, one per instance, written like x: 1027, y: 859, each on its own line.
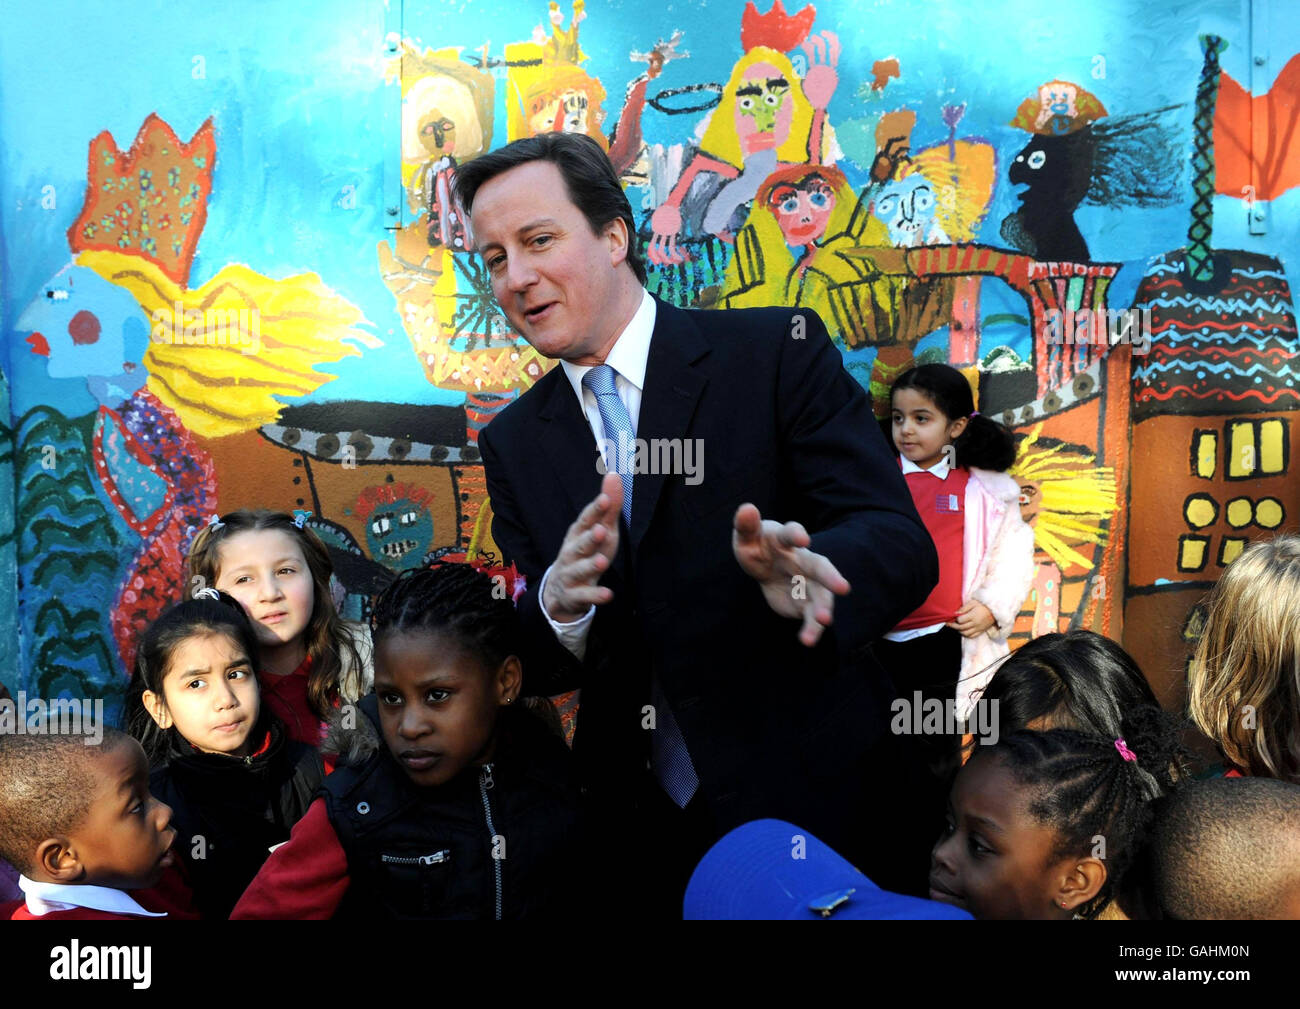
x: 309, y: 659
x: 1243, y: 683
x: 955, y: 463
x: 225, y: 765
x: 1046, y: 825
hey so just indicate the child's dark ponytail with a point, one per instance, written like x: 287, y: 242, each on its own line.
x: 985, y: 443
x: 1096, y: 793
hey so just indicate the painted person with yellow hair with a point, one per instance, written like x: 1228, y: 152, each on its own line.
x: 767, y: 118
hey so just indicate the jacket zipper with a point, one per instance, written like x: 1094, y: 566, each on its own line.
x: 484, y: 783
x: 434, y: 859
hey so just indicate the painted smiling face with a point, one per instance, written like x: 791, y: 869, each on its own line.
x: 764, y: 108
x: 907, y: 208
x: 803, y: 208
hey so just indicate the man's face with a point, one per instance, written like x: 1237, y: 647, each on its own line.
x: 555, y: 280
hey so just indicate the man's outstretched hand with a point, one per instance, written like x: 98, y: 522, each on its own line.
x: 586, y: 554
x: 796, y: 582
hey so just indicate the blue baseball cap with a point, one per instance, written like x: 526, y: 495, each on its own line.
x: 771, y: 869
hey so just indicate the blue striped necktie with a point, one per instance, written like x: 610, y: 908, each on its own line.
x: 669, y: 757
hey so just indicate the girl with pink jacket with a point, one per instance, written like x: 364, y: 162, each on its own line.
x: 941, y: 655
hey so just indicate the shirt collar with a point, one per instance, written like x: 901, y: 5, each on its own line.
x: 42, y: 898
x: 939, y: 469
x: 630, y: 352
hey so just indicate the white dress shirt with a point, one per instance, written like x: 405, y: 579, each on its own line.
x: 940, y: 470
x: 628, y: 358
x: 42, y: 898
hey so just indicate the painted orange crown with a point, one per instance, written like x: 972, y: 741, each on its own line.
x: 776, y: 29
x: 151, y: 200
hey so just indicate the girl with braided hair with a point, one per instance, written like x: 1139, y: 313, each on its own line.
x: 451, y: 799
x: 1045, y: 825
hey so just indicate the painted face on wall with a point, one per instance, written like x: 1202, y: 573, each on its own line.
x: 764, y: 108
x: 565, y: 112
x: 907, y: 209
x: 399, y: 534
x: 1031, y: 500
x: 803, y: 209
x: 437, y: 133
x: 86, y: 327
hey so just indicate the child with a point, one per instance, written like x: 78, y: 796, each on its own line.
x: 953, y: 460
x: 309, y: 659
x: 79, y: 824
x: 1243, y: 688
x: 235, y: 781
x: 1224, y: 849
x: 452, y: 801
x: 1080, y: 680
x: 1043, y: 825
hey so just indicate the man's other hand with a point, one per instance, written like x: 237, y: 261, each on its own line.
x: 796, y: 582
x: 586, y: 554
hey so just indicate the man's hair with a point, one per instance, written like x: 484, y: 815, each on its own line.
x: 46, y: 787
x: 588, y: 176
x: 1226, y: 848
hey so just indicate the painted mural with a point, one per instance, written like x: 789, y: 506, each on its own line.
x: 1104, y: 258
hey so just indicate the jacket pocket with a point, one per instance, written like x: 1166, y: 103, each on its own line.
x: 413, y: 882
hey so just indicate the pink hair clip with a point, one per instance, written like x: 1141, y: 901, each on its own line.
x: 973, y: 413
x: 1125, y: 752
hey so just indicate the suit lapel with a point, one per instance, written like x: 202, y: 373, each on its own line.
x: 672, y: 391
x: 569, y: 445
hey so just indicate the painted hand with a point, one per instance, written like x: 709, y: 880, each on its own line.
x: 795, y: 581
x: 821, y: 80
x: 666, y: 222
x: 586, y: 553
x: 972, y: 620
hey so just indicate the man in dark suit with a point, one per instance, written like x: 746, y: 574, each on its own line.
x: 724, y: 658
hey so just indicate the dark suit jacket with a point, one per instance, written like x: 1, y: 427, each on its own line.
x: 773, y: 728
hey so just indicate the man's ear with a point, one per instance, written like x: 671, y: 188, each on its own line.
x: 1082, y: 882
x: 617, y: 235
x: 57, y: 861
x: 509, y: 680
x: 157, y: 708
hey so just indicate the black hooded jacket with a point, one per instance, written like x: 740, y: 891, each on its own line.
x: 500, y: 841
x: 229, y: 811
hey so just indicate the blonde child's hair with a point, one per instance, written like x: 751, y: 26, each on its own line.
x: 1244, y: 680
